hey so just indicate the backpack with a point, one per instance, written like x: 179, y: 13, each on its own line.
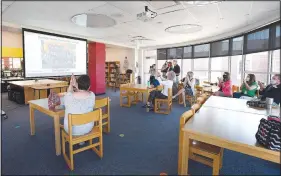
x: 268, y: 133
x: 53, y: 100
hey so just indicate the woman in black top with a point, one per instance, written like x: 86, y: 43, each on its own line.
x: 272, y: 90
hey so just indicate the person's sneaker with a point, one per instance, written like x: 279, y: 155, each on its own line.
x: 146, y: 106
x: 151, y: 109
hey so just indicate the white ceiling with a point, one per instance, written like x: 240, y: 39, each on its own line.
x: 216, y: 19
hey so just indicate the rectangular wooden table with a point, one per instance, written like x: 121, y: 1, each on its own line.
x: 137, y: 88
x: 230, y: 129
x: 40, y: 91
x: 236, y: 105
x: 27, y: 84
x: 42, y: 106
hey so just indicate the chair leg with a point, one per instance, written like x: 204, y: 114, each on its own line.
x: 221, y: 157
x: 216, y: 166
x: 71, y: 156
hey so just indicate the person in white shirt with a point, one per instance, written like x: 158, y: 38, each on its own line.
x: 161, y: 94
x: 189, y: 87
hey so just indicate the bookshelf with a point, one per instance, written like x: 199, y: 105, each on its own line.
x: 110, y: 74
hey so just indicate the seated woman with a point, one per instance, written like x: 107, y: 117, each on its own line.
x: 189, y: 87
x: 79, y: 101
x: 153, y: 82
x: 272, y: 90
x: 225, y: 86
x: 248, y: 88
x: 161, y: 94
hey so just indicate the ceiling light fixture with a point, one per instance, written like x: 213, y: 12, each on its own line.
x: 201, y: 3
x: 184, y: 29
x: 93, y: 20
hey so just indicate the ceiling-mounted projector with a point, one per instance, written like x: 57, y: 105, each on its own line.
x: 147, y: 15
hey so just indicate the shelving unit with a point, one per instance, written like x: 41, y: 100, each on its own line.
x: 109, y: 74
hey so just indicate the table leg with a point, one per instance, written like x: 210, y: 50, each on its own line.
x: 183, y: 168
x: 31, y: 119
x: 57, y: 135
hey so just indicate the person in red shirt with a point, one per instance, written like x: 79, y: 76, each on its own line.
x: 225, y: 86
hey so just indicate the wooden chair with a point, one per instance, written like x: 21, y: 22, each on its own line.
x: 167, y: 101
x: 190, y: 99
x: 201, y: 100
x: 235, y: 88
x: 80, y: 119
x: 127, y: 95
x: 199, y: 91
x: 195, y: 108
x: 199, y: 151
x: 100, y: 103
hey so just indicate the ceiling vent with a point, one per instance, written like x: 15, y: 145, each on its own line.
x: 139, y: 39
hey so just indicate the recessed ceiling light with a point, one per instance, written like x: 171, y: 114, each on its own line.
x: 201, y: 3
x: 184, y: 28
x: 93, y: 20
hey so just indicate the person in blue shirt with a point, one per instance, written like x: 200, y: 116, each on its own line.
x: 153, y: 82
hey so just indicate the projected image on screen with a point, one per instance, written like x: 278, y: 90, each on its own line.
x: 49, y: 55
x: 57, y: 55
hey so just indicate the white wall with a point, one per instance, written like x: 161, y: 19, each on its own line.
x: 119, y: 54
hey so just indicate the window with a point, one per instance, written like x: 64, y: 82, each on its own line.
x: 258, y: 41
x: 161, y: 54
x: 215, y: 75
x: 160, y: 63
x: 174, y: 53
x: 201, y: 75
x: 277, y: 37
x: 220, y: 48
x: 257, y: 62
x: 260, y: 77
x: 201, y: 64
x: 186, y: 66
x: 237, y: 46
x: 236, y: 70
x: 17, y: 63
x: 219, y: 63
x: 201, y: 51
x: 187, y: 52
x: 276, y: 61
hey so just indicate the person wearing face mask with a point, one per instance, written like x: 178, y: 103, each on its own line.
x: 225, y: 86
x: 248, y: 88
x: 189, y: 87
x: 272, y: 90
x: 152, y: 70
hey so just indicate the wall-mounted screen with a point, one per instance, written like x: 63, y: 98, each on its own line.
x: 47, y: 54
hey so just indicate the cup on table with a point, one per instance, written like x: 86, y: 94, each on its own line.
x: 269, y: 102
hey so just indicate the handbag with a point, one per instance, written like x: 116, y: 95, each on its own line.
x: 268, y: 133
x: 256, y: 104
x: 53, y: 100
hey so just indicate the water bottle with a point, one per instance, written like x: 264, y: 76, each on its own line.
x: 148, y: 83
x: 269, y: 102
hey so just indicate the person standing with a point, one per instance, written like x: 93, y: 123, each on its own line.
x: 177, y: 70
x: 126, y: 64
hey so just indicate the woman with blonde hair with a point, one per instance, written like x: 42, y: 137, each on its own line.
x: 188, y: 86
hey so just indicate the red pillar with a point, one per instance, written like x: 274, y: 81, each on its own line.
x: 96, y: 67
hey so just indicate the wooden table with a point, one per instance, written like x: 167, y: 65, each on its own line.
x: 234, y: 104
x: 210, y: 89
x: 27, y: 84
x: 42, y: 106
x: 137, y: 88
x: 42, y: 90
x: 233, y: 130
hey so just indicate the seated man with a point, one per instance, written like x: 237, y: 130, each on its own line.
x: 272, y: 90
x: 161, y: 94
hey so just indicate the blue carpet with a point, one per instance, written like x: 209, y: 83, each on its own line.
x: 149, y: 146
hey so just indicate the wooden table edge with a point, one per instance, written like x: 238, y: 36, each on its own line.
x: 267, y: 154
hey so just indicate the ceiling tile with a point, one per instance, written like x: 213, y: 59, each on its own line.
x: 7, y: 3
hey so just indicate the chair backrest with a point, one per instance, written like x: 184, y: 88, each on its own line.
x: 195, y: 107
x: 200, y: 100
x: 185, y: 117
x: 81, y: 119
x: 235, y: 88
x: 99, y: 103
x: 170, y: 94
